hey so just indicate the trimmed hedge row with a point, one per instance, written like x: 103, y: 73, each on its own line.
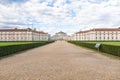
x: 110, y: 49
x: 10, y: 49
x: 114, y: 50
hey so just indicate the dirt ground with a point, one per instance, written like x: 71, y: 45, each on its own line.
x: 59, y: 61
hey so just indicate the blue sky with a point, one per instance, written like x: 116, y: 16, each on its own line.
x: 60, y: 15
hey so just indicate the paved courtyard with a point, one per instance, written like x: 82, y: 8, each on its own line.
x: 59, y: 61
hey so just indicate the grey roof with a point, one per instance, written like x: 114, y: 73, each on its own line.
x: 61, y: 32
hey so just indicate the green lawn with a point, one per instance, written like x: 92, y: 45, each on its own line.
x: 109, y: 43
x: 13, y: 43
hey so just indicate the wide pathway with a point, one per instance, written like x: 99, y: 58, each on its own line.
x: 59, y: 61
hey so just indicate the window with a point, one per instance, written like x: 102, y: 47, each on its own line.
x: 96, y: 37
x: 112, y: 37
x: 104, y: 37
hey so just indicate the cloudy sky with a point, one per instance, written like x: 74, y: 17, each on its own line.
x: 59, y: 15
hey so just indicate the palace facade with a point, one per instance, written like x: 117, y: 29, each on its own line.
x: 23, y: 35
x: 97, y: 34
x: 60, y: 36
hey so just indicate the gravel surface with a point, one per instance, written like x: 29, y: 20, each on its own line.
x: 59, y: 61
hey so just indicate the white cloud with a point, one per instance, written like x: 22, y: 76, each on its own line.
x: 81, y: 14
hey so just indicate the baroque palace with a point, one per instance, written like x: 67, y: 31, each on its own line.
x: 97, y: 34
x: 28, y: 34
x: 23, y: 35
x: 60, y: 36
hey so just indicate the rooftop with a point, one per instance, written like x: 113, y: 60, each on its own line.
x: 61, y: 32
x: 99, y: 29
x: 21, y: 30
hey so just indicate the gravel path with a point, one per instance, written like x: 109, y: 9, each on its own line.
x: 59, y: 61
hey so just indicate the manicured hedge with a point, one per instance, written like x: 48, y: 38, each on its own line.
x: 110, y: 49
x: 114, y: 50
x: 10, y: 49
